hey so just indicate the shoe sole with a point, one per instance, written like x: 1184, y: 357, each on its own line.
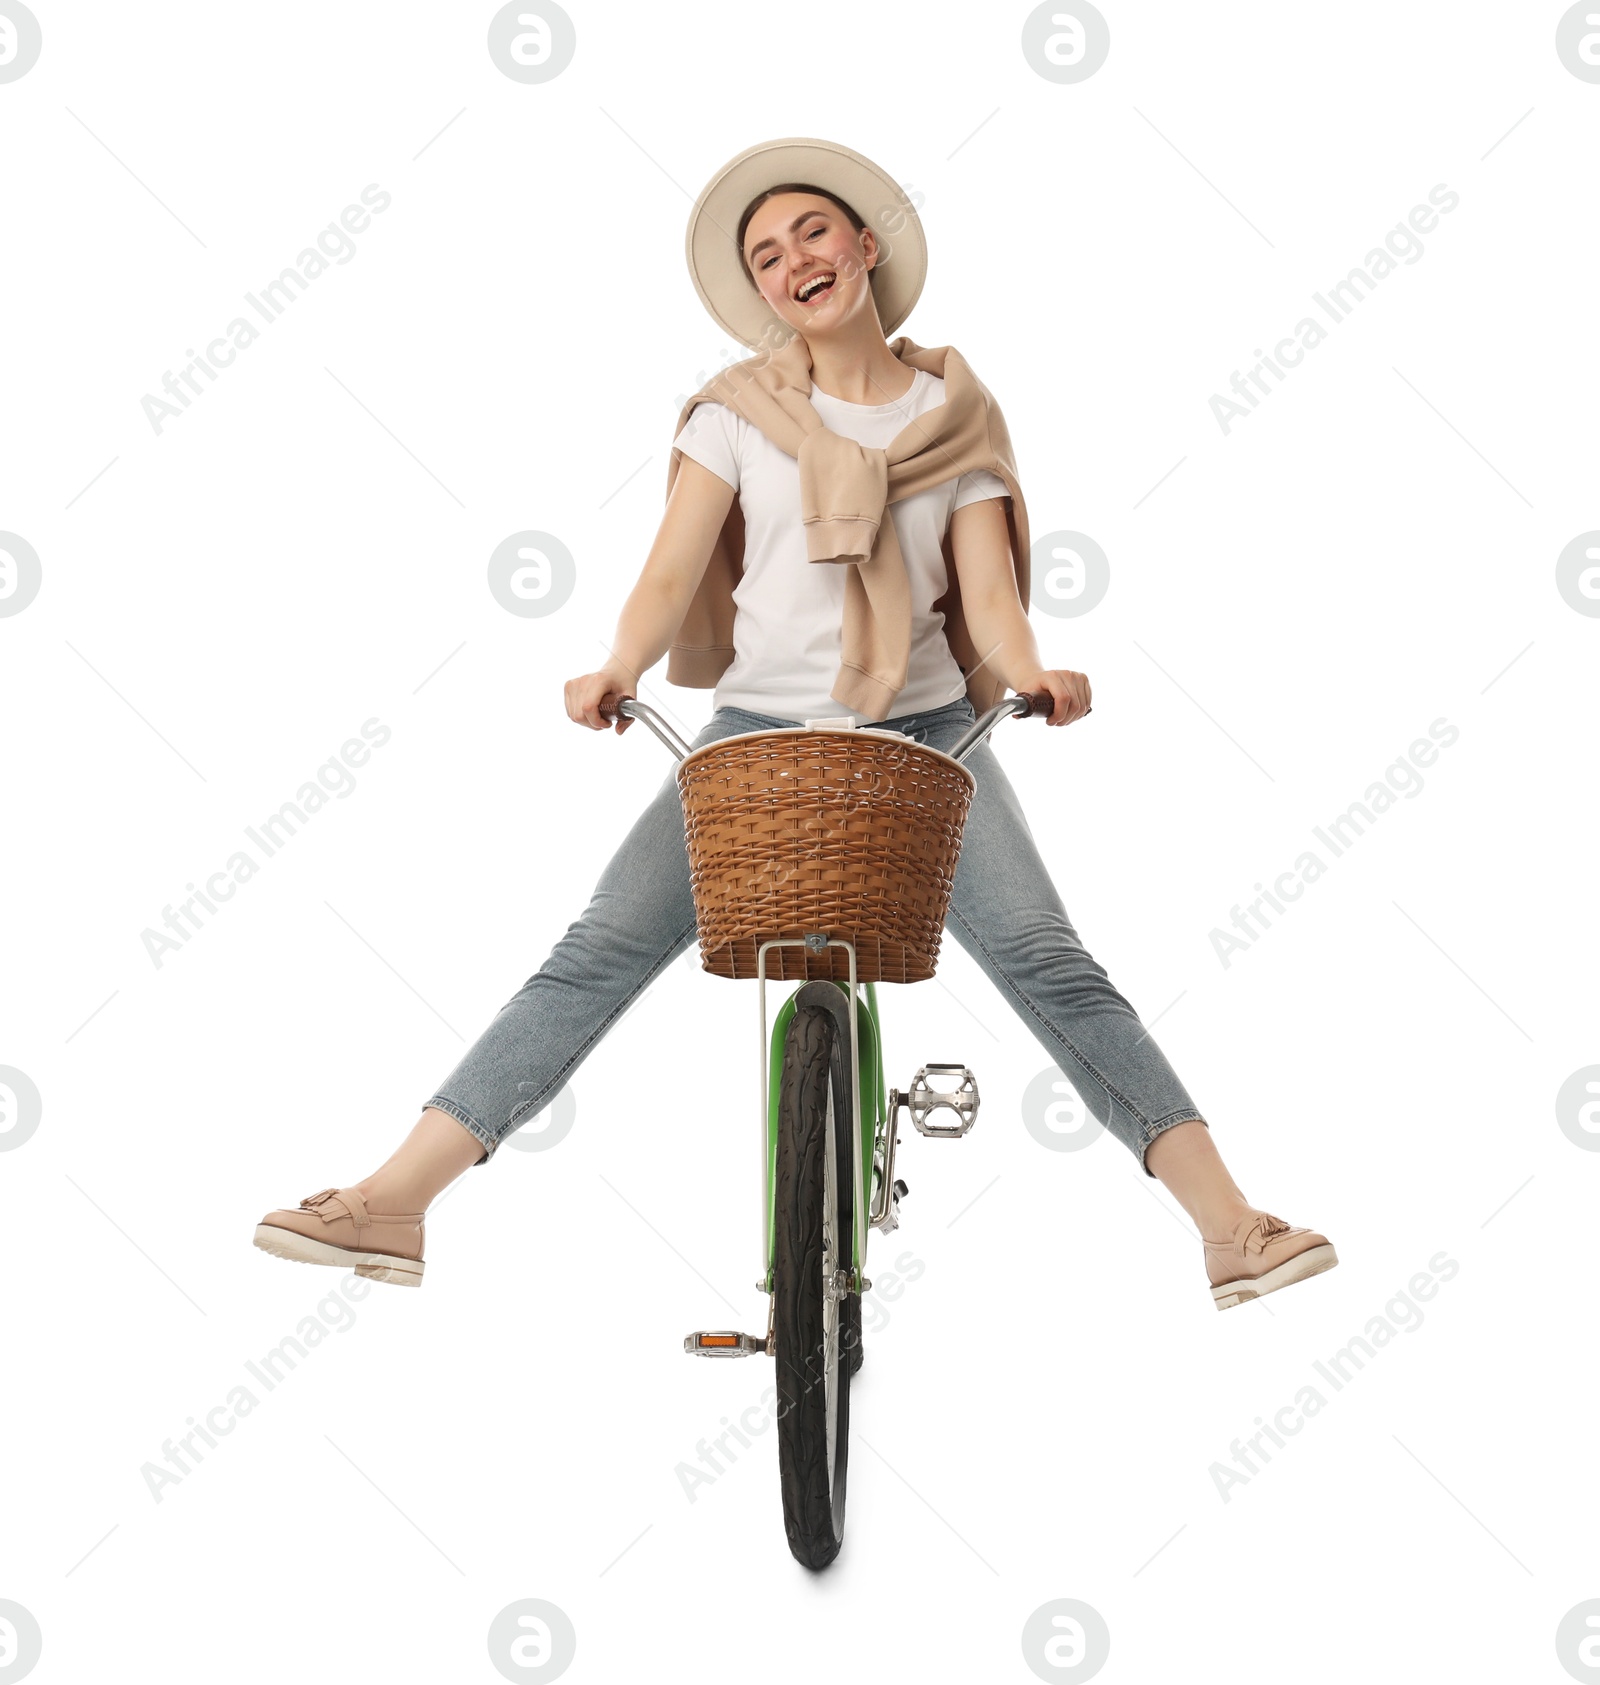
x: 1311, y: 1262
x: 302, y: 1249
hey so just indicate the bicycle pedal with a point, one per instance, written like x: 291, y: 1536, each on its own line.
x: 922, y: 1100
x: 723, y: 1342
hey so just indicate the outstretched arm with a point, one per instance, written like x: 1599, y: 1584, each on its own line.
x: 655, y: 608
x: 981, y: 542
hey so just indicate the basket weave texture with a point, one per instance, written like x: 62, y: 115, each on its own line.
x: 851, y: 833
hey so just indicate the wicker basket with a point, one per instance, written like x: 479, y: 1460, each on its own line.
x: 852, y: 833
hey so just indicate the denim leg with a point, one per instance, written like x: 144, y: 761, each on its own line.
x: 638, y: 920
x: 1006, y: 913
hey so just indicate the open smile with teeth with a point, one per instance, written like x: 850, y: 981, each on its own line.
x: 815, y: 287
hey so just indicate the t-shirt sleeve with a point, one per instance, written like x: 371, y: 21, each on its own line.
x: 974, y: 487
x: 710, y: 436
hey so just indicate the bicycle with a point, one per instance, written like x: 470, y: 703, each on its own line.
x: 829, y: 1128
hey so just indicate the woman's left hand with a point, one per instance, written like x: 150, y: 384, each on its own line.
x: 1073, y: 698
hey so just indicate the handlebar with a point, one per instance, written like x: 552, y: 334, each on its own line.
x: 632, y: 710
x: 1024, y: 706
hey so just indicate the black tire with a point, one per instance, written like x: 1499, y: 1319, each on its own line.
x: 813, y: 1369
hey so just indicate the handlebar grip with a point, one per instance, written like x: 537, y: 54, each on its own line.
x: 1042, y: 702
x: 610, y: 706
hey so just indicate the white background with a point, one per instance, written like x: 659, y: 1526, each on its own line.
x: 225, y: 602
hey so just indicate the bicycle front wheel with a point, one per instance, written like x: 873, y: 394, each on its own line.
x: 812, y: 1243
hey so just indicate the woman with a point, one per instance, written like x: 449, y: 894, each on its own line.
x: 828, y: 421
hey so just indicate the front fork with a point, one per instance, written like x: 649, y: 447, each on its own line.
x: 868, y: 1111
x: 875, y: 1118
x: 875, y: 1115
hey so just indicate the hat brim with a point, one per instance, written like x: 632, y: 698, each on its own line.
x: 716, y: 265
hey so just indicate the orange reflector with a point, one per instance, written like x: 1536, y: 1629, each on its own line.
x: 719, y: 1339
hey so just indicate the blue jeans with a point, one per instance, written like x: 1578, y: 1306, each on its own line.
x: 1004, y: 911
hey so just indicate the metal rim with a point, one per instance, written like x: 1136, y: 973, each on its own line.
x: 823, y: 731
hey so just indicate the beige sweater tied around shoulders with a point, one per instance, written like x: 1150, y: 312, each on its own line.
x: 844, y: 490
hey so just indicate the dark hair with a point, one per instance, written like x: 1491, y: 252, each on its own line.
x: 772, y: 193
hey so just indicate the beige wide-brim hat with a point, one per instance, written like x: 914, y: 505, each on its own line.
x: 716, y: 264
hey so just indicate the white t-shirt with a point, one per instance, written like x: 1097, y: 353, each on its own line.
x: 790, y: 611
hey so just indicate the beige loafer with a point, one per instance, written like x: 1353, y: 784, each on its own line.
x: 1263, y: 1255
x: 335, y: 1227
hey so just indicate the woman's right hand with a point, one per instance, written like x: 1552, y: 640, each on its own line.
x: 584, y: 696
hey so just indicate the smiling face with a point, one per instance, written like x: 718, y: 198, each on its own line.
x: 794, y: 243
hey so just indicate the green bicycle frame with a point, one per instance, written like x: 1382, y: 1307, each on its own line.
x: 873, y: 1108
